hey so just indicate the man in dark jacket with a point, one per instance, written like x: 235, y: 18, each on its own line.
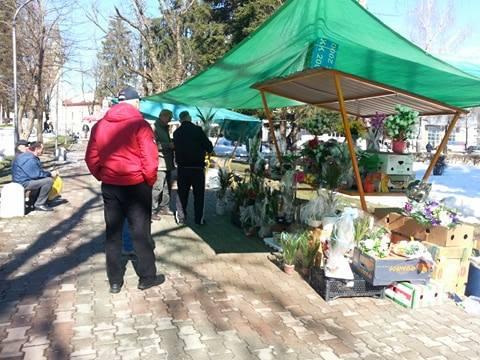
x: 191, y: 146
x: 163, y: 186
x: 122, y: 154
x: 27, y: 170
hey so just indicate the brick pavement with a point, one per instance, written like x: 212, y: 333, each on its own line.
x: 55, y: 304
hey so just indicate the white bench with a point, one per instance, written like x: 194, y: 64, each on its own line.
x: 12, y: 201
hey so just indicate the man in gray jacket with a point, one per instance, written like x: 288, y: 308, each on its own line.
x: 163, y: 185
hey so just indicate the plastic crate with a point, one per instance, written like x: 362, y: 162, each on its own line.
x: 330, y: 288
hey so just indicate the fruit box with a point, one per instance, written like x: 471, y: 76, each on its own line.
x: 385, y: 271
x: 395, y: 164
x: 414, y: 296
x: 460, y: 235
x: 451, y: 266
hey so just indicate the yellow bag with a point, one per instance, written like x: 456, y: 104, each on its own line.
x: 56, y: 189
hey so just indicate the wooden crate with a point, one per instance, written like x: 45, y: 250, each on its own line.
x: 451, y: 266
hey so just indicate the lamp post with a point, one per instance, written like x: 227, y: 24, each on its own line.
x: 14, y: 45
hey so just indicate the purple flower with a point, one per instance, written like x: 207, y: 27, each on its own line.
x: 408, y: 207
x: 377, y: 120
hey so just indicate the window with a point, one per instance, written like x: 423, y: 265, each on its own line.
x: 435, y: 134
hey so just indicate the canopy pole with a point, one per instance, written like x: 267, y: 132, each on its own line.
x: 442, y: 145
x: 219, y: 133
x: 348, y: 135
x: 270, y: 125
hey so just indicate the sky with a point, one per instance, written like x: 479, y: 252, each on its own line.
x: 394, y: 13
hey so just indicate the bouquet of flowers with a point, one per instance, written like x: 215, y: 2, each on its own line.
x: 376, y: 242
x: 431, y: 213
x: 375, y: 130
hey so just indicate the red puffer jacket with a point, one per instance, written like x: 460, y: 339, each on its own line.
x: 122, y: 149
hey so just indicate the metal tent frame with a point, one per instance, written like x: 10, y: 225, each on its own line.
x: 349, y: 94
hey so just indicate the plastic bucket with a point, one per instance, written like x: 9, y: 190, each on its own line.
x: 473, y: 284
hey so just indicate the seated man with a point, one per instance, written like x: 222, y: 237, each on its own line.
x: 27, y: 171
x: 22, y: 146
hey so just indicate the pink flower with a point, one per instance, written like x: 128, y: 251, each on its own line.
x: 299, y: 177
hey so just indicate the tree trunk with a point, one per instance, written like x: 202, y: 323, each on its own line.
x: 179, y: 52
x: 31, y: 121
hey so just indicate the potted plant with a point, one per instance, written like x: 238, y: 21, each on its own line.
x: 308, y: 246
x: 268, y: 211
x: 225, y: 179
x: 399, y: 127
x: 248, y: 219
x: 375, y: 130
x: 289, y: 243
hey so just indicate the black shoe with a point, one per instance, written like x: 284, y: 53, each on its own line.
x: 115, y: 288
x: 200, y: 223
x: 43, y: 208
x: 179, y: 220
x: 57, y: 201
x: 147, y: 284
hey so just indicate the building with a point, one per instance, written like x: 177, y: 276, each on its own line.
x: 466, y: 132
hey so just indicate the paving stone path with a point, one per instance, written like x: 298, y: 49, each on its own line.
x: 55, y: 304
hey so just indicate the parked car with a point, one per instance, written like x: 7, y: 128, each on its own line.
x: 473, y: 149
x: 225, y: 147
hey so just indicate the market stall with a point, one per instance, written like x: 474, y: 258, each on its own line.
x: 337, y: 56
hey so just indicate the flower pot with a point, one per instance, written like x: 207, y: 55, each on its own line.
x: 314, y: 223
x: 250, y: 232
x: 220, y: 207
x: 399, y: 146
x: 288, y: 269
x: 368, y: 187
x: 265, y: 231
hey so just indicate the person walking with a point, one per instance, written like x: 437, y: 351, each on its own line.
x: 163, y: 186
x: 191, y: 146
x: 122, y: 154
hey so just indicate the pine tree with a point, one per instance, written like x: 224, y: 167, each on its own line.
x: 116, y: 60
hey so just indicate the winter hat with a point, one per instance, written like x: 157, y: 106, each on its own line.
x: 129, y: 93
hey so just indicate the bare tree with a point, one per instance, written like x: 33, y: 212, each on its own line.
x: 435, y: 29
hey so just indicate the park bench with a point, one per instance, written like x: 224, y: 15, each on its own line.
x: 14, y: 200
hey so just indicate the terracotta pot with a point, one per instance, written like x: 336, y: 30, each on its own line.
x: 368, y: 186
x: 399, y: 146
x: 289, y: 269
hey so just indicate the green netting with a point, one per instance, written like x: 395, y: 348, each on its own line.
x: 366, y: 48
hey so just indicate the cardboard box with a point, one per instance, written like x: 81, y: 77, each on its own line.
x: 451, y: 266
x: 461, y: 235
x: 385, y: 271
x: 400, y: 224
x: 395, y: 164
x: 415, y: 295
x: 476, y: 245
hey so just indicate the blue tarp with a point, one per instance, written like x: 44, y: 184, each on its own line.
x: 235, y: 126
x: 151, y: 110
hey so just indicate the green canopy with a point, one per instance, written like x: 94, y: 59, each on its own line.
x: 347, y: 38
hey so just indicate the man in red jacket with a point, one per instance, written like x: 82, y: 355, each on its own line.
x: 122, y: 154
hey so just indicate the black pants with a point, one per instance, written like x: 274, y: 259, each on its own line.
x: 195, y: 178
x: 135, y: 204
